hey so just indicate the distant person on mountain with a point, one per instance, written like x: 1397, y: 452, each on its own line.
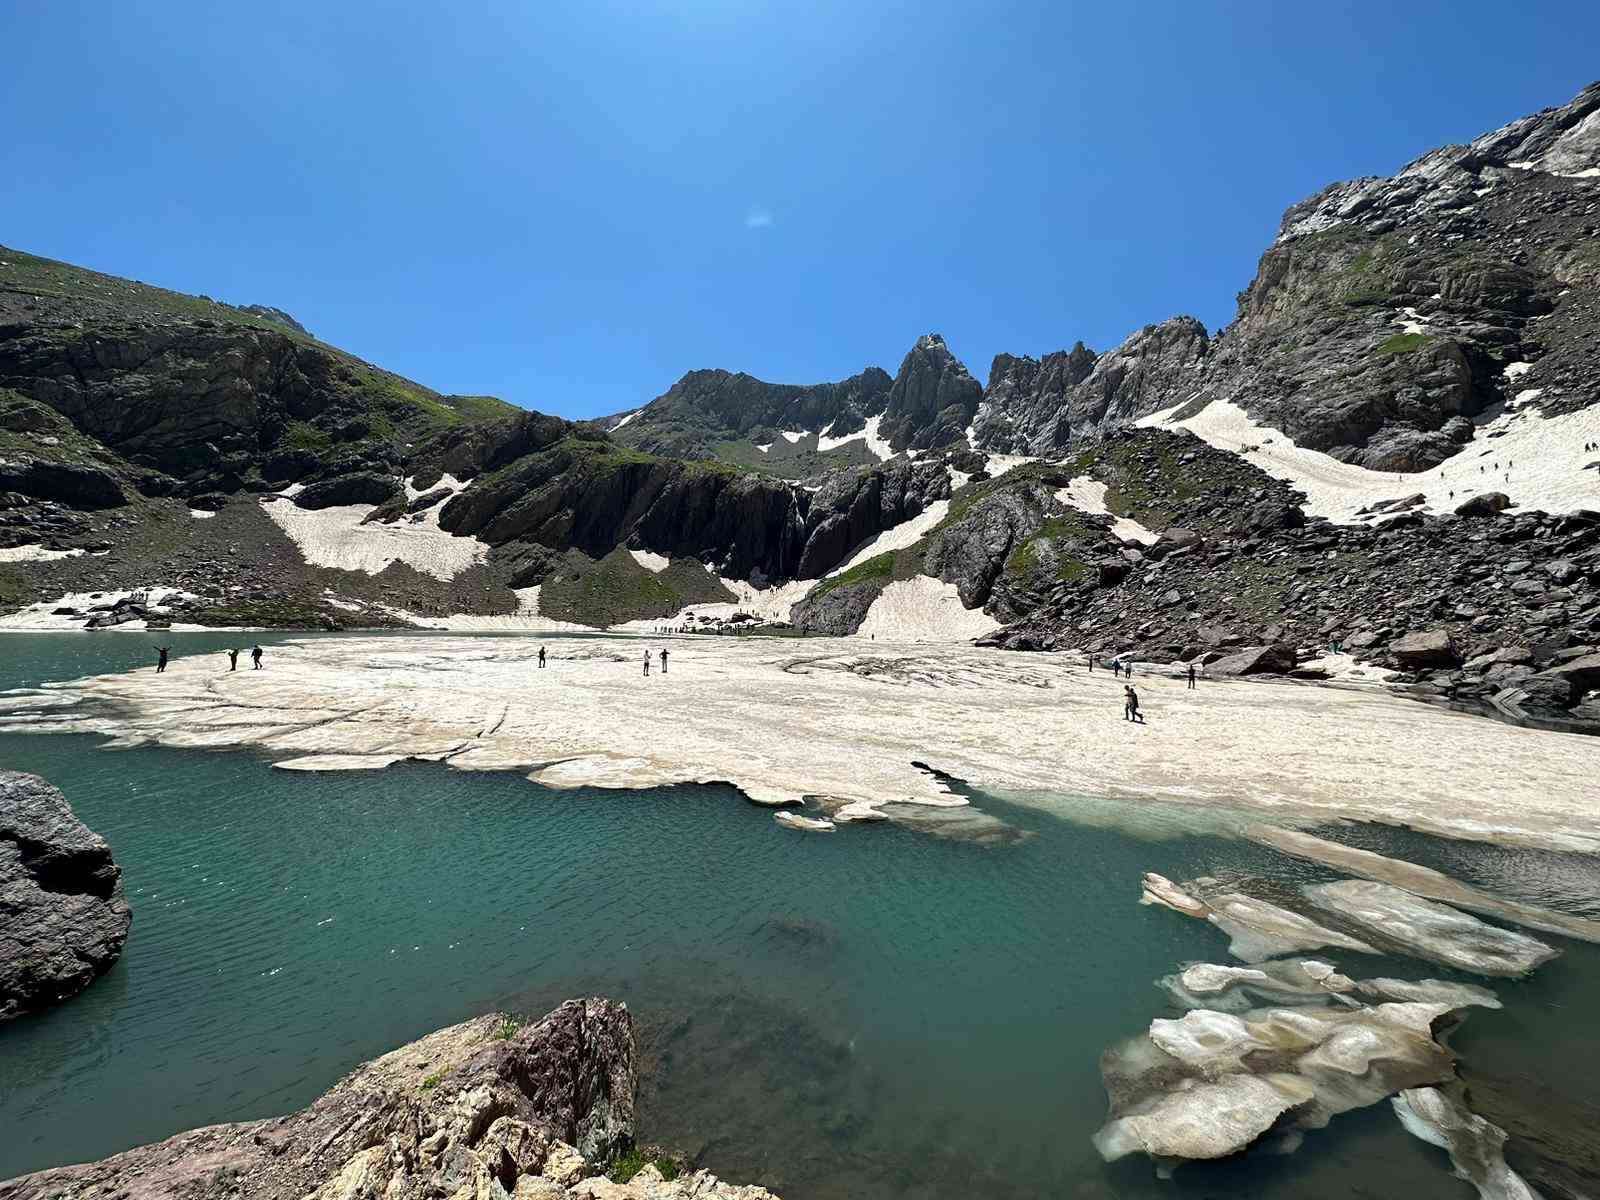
x: 161, y: 658
x: 647, y: 662
x: 663, y: 660
x: 233, y: 658
x: 255, y: 658
x: 541, y: 658
x: 1130, y: 705
x: 1191, y: 677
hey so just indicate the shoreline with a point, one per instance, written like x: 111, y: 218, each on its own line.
x: 841, y: 728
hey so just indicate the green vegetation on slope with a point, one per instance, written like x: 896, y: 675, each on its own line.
x: 1403, y: 343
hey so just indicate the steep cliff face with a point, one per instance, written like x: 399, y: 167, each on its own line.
x: 1383, y: 319
x: 933, y: 398
x: 581, y: 491
x: 1034, y: 406
x: 1381, y: 322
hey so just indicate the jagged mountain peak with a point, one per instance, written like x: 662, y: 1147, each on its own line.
x: 1563, y: 141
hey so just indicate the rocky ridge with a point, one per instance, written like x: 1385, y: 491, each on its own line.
x: 63, y: 915
x: 486, y: 1110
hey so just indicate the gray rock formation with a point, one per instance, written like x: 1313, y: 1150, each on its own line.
x: 63, y: 916
x: 484, y: 1110
x: 1035, y: 406
x: 932, y: 400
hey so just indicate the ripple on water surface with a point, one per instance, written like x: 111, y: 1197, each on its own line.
x: 877, y: 1012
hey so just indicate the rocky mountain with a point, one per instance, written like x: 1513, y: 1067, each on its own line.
x: 63, y: 916
x: 1035, y: 406
x: 713, y: 414
x: 489, y: 1108
x: 1393, y: 324
x: 181, y: 394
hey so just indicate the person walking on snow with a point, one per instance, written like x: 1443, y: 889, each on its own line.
x: 161, y: 658
x: 233, y: 658
x: 255, y: 658
x: 663, y: 660
x: 541, y: 657
x: 647, y: 662
x: 1130, y: 705
x: 1191, y: 677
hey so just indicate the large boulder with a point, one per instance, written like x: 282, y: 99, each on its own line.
x: 359, y: 487
x: 1427, y: 648
x: 63, y: 915
x: 1485, y: 505
x: 66, y: 483
x: 1276, y: 659
x: 1582, y: 673
x: 487, y: 1108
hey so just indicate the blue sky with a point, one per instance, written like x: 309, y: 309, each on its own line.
x: 569, y: 205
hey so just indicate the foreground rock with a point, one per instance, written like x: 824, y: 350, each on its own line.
x: 63, y: 916
x: 483, y: 1110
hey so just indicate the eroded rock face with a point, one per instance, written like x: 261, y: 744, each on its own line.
x: 479, y: 1111
x: 1033, y: 406
x: 63, y: 915
x: 932, y: 400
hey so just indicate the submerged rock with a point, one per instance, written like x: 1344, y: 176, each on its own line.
x: 63, y: 915
x: 1435, y: 932
x: 483, y: 1110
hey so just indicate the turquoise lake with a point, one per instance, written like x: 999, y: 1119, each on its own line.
x: 877, y: 1012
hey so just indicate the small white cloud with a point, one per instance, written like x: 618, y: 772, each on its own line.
x: 758, y: 218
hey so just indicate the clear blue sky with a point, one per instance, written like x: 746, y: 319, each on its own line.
x: 569, y: 205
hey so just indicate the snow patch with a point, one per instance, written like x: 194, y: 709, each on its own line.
x: 1513, y: 370
x: 37, y: 553
x: 764, y: 448
x: 876, y: 444
x: 335, y: 537
x: 1088, y: 494
x: 924, y: 609
x: 1537, y: 461
x: 625, y: 420
x: 527, y: 618
x: 200, y: 514
x: 792, y: 435
x: 649, y: 561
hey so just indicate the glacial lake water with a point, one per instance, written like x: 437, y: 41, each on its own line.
x: 878, y: 1012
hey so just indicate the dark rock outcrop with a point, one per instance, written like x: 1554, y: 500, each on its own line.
x: 73, y: 484
x: 63, y: 916
x: 933, y: 399
x: 1033, y: 407
x: 359, y: 487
